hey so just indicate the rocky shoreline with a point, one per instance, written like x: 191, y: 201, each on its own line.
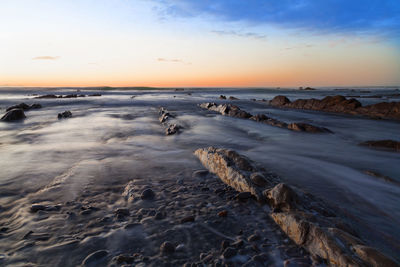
x: 340, y: 104
x: 306, y: 220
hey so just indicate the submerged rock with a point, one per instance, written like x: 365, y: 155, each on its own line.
x: 383, y: 144
x: 164, y: 118
x: 308, y: 221
x: 14, y: 115
x: 173, y: 129
x: 235, y: 111
x: 64, y: 115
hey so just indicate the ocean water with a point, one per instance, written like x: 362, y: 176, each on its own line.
x: 117, y: 137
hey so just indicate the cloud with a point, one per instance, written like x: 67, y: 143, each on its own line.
x: 174, y: 60
x: 240, y: 34
x: 45, y: 58
x: 326, y: 16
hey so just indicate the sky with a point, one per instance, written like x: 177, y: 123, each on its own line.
x: 208, y: 43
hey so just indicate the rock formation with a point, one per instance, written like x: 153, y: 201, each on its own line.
x: 339, y: 104
x: 235, y: 111
x: 164, y: 118
x: 306, y: 220
x: 14, y: 115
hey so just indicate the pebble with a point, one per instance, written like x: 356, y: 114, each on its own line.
x: 147, y: 194
x: 167, y: 248
x: 229, y: 252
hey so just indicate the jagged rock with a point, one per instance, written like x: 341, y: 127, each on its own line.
x: 64, y: 115
x: 48, y: 96
x: 309, y: 222
x: 173, y: 129
x: 383, y: 144
x: 222, y: 97
x: 129, y: 191
x: 22, y: 106
x: 305, y: 127
x: 232, y: 168
x: 258, y: 179
x: 339, y: 104
x: 14, y: 115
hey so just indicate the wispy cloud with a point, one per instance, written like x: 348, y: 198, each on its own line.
x: 173, y: 60
x: 242, y: 34
x: 46, y: 58
x: 328, y: 16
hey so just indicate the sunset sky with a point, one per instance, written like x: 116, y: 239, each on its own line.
x: 199, y: 43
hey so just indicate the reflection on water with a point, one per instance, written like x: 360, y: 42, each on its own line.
x: 116, y: 138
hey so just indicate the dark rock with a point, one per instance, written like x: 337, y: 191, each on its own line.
x: 173, y: 129
x: 262, y: 257
x: 22, y: 106
x: 93, y: 259
x: 282, y: 197
x: 305, y: 127
x: 167, y: 248
x: 229, y: 252
x: 14, y: 115
x: 225, y: 244
x: 253, y: 238
x: 279, y: 100
x: 223, y: 213
x: 188, y: 219
x: 37, y: 207
x: 123, y: 258
x: 222, y: 97
x: 258, y: 179
x: 64, y: 115
x: 47, y: 96
x: 233, y: 98
x: 122, y: 212
x: 383, y: 144
x: 244, y: 195
x: 35, y: 106
x: 147, y: 194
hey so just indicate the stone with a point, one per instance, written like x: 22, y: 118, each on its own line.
x: 253, y: 238
x: 229, y: 252
x: 305, y: 127
x: 14, y: 115
x: 233, y: 98
x: 383, y: 144
x: 167, y: 248
x: 64, y: 115
x: 37, y: 207
x: 279, y: 100
x: 222, y: 97
x: 223, y: 213
x: 122, y: 212
x: 188, y: 219
x: 244, y: 195
x: 258, y: 179
x: 373, y: 257
x: 282, y: 197
x: 173, y: 129
x: 147, y: 194
x: 93, y: 258
x: 22, y: 106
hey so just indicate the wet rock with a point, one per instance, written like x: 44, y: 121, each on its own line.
x: 279, y: 100
x: 47, y: 96
x: 305, y: 127
x: 223, y: 213
x: 22, y: 106
x: 282, y: 197
x: 229, y: 252
x: 94, y: 258
x: 188, y: 219
x: 258, y: 179
x: 373, y: 257
x: 122, y: 212
x: 14, y: 115
x: 96, y: 94
x: 383, y: 144
x: 232, y: 168
x: 382, y: 177
x: 173, y: 129
x: 37, y: 207
x: 339, y: 104
x: 64, y: 115
x: 233, y: 98
x: 123, y: 258
x: 222, y: 97
x: 262, y: 257
x: 35, y: 106
x: 244, y: 196
x: 200, y: 173
x: 147, y: 194
x: 167, y: 248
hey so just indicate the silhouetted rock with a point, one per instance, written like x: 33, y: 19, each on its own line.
x: 64, y: 115
x: 48, y: 96
x: 14, y: 115
x: 222, y: 97
x: 22, y: 106
x: 233, y: 98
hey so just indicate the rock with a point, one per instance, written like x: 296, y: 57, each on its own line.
x: 224, y: 244
x: 93, y: 259
x: 64, y: 115
x: 382, y: 177
x: 222, y: 97
x: 173, y: 129
x: 282, y: 197
x: 22, y: 106
x: 147, y: 194
x: 340, y: 104
x: 167, y: 248
x: 262, y: 257
x: 229, y: 252
x: 37, y: 207
x: 188, y: 219
x: 122, y: 212
x: 200, y: 174
x: 96, y: 94
x: 223, y: 213
x: 35, y: 106
x: 383, y: 144
x: 244, y: 195
x: 233, y: 98
x: 373, y: 257
x: 253, y: 238
x: 47, y: 96
x: 305, y: 127
x: 279, y: 100
x: 123, y: 258
x: 258, y: 179
x: 309, y: 89
x: 232, y: 168
x: 14, y: 115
